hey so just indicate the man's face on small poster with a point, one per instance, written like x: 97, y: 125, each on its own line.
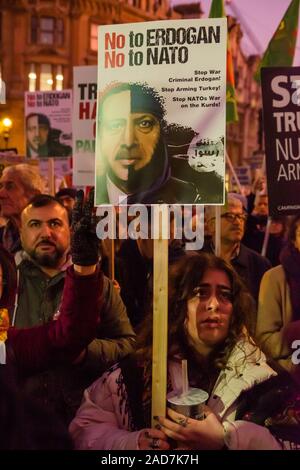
x: 32, y: 133
x: 37, y: 132
x: 128, y: 139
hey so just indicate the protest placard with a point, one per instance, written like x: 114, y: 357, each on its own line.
x: 160, y: 134
x: 243, y: 174
x: 61, y: 172
x: 8, y: 160
x: 84, y: 119
x: 281, y: 112
x: 48, y: 123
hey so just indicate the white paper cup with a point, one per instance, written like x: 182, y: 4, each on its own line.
x: 189, y: 404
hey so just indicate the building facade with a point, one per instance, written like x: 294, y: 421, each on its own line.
x: 244, y: 136
x: 41, y: 41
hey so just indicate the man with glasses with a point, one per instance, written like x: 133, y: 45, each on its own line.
x: 249, y: 265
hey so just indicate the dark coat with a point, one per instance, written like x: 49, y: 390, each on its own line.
x: 135, y: 276
x: 275, y: 404
x: 13, y: 233
x: 61, y: 387
x: 249, y: 265
x: 254, y: 238
x: 24, y: 423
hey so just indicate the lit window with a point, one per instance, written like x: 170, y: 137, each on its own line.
x: 94, y: 37
x: 50, y: 77
x: 46, y: 79
x: 59, y: 78
x: 32, y: 78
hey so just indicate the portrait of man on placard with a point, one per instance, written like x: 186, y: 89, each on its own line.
x: 132, y: 164
x: 42, y: 140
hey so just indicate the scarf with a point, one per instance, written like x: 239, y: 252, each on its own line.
x: 290, y: 260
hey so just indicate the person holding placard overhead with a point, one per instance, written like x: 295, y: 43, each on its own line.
x: 208, y: 312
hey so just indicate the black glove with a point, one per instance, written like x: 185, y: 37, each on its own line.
x: 85, y: 246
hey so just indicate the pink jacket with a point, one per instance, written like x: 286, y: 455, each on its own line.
x: 102, y: 421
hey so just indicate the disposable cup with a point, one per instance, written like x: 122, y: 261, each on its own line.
x: 189, y: 404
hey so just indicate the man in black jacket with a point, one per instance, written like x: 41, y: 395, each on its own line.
x: 250, y: 265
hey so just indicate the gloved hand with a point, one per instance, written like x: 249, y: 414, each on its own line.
x: 85, y: 246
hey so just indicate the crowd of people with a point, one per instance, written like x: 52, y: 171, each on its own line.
x: 76, y: 346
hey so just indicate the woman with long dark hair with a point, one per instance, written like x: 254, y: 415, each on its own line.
x: 209, y: 309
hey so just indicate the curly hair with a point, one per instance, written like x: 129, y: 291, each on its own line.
x: 184, y: 276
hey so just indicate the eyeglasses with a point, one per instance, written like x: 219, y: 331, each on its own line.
x: 223, y: 294
x: 230, y: 217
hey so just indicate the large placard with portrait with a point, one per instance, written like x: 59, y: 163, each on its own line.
x: 160, y: 133
x: 48, y: 124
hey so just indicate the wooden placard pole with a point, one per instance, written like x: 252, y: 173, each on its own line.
x: 218, y: 231
x: 228, y: 161
x: 160, y: 314
x: 266, y: 237
x: 51, y: 176
x: 111, y: 254
x: 111, y: 267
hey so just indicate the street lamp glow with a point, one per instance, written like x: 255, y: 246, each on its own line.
x: 7, y: 122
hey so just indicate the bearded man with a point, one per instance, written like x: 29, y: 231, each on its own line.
x: 45, y: 237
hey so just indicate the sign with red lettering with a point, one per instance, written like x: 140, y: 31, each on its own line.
x: 48, y: 123
x: 84, y: 119
x: 160, y: 134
